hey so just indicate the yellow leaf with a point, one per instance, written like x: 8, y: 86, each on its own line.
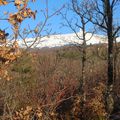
x: 40, y: 115
x: 3, y: 2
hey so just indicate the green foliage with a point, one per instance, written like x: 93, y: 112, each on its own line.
x: 72, y: 54
x: 23, y: 65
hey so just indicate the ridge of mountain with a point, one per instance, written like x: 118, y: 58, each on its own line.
x: 64, y: 39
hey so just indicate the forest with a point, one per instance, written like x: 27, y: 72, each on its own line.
x: 77, y: 81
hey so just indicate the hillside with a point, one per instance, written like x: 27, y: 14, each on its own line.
x: 49, y: 79
x: 64, y: 39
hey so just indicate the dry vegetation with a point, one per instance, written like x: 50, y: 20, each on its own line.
x: 67, y: 83
x: 45, y: 85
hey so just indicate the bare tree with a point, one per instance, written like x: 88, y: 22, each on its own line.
x: 41, y: 30
x: 79, y: 22
x: 102, y: 14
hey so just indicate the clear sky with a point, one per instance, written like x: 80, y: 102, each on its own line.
x: 39, y: 5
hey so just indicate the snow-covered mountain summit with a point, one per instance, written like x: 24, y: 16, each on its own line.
x: 64, y: 39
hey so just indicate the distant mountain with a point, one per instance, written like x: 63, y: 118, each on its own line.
x: 63, y: 40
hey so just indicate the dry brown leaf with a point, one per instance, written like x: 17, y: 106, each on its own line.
x: 3, y: 2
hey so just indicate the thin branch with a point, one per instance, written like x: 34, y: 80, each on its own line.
x: 116, y: 31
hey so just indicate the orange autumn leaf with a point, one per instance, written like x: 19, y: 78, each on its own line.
x: 8, y: 53
x: 18, y: 2
x: 3, y: 2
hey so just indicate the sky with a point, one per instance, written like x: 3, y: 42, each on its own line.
x: 54, y: 22
x: 39, y: 5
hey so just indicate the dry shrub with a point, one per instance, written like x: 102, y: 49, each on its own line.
x: 46, y: 80
x: 93, y: 108
x: 68, y: 106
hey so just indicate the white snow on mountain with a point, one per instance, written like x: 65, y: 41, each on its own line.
x: 64, y: 39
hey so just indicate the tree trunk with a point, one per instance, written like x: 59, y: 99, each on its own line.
x: 110, y: 59
x: 83, y: 81
x: 83, y: 74
x: 109, y: 91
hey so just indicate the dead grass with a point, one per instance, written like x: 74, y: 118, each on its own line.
x: 48, y: 81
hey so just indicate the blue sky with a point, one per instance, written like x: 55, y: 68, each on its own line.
x: 39, y: 5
